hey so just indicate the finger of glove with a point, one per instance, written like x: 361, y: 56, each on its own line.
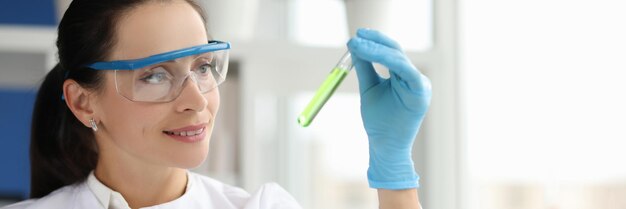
x: 365, y: 73
x: 378, y: 37
x: 393, y: 59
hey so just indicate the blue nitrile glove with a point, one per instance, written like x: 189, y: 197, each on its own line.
x: 392, y: 109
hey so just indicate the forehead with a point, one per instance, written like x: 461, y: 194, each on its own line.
x: 158, y: 27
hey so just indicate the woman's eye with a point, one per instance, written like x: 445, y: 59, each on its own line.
x: 155, y: 78
x: 204, y: 69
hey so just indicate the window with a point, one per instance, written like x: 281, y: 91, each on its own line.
x: 544, y: 103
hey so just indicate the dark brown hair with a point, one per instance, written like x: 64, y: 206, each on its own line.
x: 62, y: 150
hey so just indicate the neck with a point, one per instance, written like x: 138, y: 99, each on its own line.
x: 140, y: 184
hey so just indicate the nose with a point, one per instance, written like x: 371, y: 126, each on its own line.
x: 190, y: 98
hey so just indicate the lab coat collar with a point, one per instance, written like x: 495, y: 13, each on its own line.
x: 111, y: 199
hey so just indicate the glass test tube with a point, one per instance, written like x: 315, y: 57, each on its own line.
x: 326, y: 90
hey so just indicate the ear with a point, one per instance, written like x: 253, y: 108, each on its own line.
x: 80, y: 101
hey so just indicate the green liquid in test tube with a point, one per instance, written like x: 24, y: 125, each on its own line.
x: 327, y: 89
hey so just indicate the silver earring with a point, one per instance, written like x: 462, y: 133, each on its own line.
x: 94, y: 126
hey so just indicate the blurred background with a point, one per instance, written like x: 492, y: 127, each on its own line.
x: 527, y: 110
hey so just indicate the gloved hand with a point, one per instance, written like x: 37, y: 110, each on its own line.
x: 392, y: 109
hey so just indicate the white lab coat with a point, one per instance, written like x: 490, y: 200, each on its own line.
x: 202, y: 192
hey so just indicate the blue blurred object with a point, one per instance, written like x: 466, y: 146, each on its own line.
x: 28, y: 12
x: 16, y: 106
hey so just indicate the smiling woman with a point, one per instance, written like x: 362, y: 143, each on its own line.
x: 129, y: 108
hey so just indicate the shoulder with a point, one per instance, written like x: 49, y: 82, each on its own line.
x: 68, y: 197
x: 268, y: 196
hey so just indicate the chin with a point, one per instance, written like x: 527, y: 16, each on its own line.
x: 190, y: 162
x: 189, y: 156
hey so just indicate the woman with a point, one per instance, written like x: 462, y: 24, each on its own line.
x: 131, y: 106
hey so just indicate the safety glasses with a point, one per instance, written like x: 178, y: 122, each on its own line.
x: 162, y: 77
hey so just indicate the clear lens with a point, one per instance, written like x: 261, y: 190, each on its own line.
x: 163, y: 82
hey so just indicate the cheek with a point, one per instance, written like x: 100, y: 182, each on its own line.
x: 130, y: 122
x: 130, y: 125
x: 214, y: 101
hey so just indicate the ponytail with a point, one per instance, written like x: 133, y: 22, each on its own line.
x: 62, y: 150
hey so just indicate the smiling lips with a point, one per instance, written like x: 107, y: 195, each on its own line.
x: 188, y: 134
x: 185, y: 133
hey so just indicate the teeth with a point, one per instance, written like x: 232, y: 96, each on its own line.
x: 185, y: 133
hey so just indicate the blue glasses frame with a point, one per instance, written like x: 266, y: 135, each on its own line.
x: 133, y: 64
